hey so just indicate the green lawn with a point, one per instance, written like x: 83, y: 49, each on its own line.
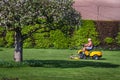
x: 56, y: 65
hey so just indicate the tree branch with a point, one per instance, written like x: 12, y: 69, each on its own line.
x: 25, y: 36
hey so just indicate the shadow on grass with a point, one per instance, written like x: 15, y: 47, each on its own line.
x: 102, y: 59
x: 68, y: 64
x: 1, y: 49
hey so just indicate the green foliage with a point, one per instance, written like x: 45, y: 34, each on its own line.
x: 1, y: 37
x: 28, y: 29
x: 1, y: 42
x: 9, y: 38
x: 45, y: 38
x: 1, y: 29
x: 42, y: 40
x: 28, y: 43
x: 58, y: 39
x: 86, y: 31
x: 109, y: 40
x: 118, y: 38
x: 20, y: 16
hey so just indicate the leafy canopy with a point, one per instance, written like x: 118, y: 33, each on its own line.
x: 19, y: 13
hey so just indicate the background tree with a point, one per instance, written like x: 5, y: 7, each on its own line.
x: 15, y: 15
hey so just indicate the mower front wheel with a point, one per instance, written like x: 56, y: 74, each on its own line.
x: 82, y: 55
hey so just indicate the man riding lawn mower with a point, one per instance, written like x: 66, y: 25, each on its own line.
x: 88, y: 52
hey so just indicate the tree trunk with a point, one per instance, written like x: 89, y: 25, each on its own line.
x: 18, y: 46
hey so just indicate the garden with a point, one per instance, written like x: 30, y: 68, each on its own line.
x: 38, y: 37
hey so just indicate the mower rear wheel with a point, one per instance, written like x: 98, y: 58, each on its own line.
x: 95, y: 57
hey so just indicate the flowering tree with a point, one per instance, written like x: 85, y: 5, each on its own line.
x: 15, y: 15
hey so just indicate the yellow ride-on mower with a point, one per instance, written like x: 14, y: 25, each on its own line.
x: 87, y: 54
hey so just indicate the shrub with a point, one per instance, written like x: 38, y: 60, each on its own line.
x: 1, y: 30
x: 108, y: 40
x: 2, y: 42
x: 58, y: 39
x: 28, y: 29
x: 9, y: 38
x: 28, y: 43
x: 42, y: 40
x: 118, y: 38
x: 86, y: 31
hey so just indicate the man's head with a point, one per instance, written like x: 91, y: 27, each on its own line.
x: 89, y: 39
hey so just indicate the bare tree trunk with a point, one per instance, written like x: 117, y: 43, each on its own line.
x: 18, y: 46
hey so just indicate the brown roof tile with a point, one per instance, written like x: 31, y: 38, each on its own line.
x: 98, y: 9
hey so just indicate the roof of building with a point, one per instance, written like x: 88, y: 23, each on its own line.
x: 98, y: 9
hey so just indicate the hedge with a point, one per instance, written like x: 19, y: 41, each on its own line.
x: 57, y: 38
